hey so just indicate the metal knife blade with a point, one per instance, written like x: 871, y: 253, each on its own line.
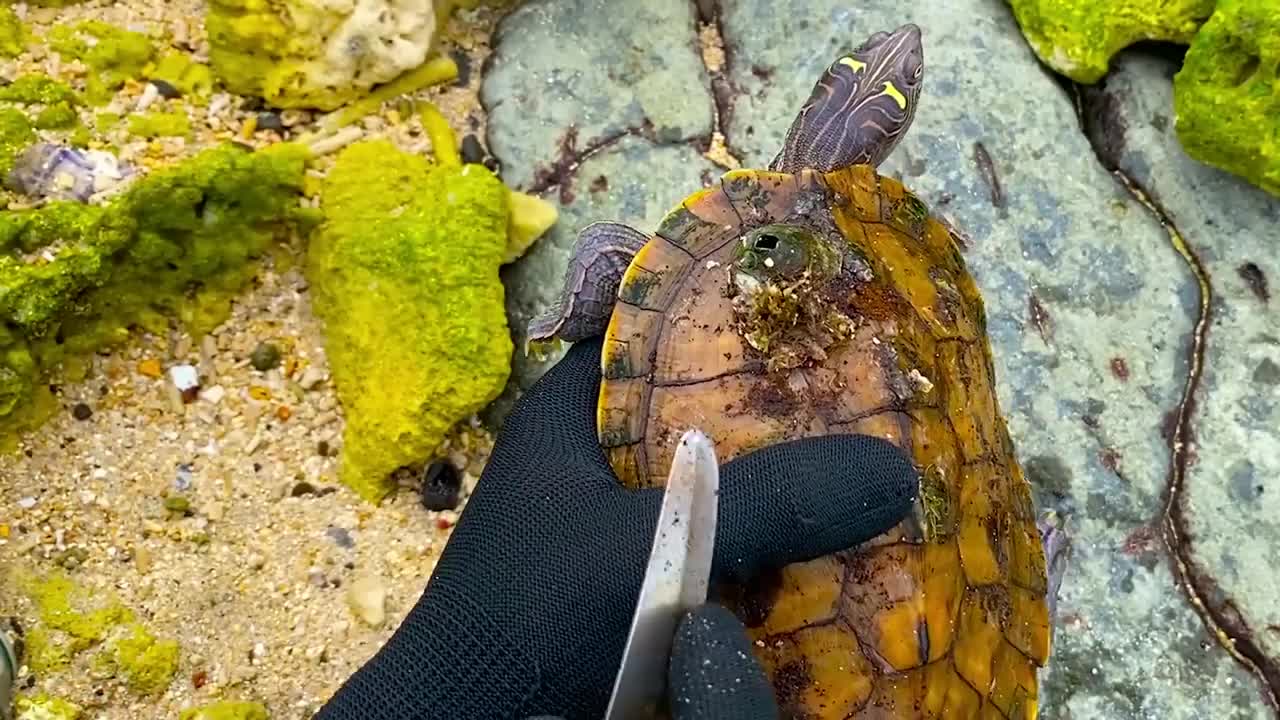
x: 676, y: 579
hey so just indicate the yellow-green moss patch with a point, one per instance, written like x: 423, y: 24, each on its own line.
x: 1078, y: 37
x: 179, y: 242
x: 1227, y: 94
x: 404, y: 274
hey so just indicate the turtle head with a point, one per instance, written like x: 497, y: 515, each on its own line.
x: 860, y: 107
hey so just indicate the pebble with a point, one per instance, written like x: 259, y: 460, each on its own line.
x: 340, y: 536
x: 150, y: 94
x: 187, y: 380
x: 214, y: 394
x: 311, y: 377
x: 270, y: 121
x: 166, y: 90
x: 183, y: 479
x: 26, y: 503
x: 441, y: 486
x: 266, y: 356
x: 80, y: 411
x: 471, y: 150
x: 367, y: 597
x: 151, y: 368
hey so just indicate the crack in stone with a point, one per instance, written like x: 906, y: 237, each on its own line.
x: 715, y: 54
x: 1099, y: 118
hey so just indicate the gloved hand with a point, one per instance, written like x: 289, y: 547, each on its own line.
x: 529, y: 606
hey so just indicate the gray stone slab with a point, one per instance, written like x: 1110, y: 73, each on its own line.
x: 597, y: 68
x: 1232, y: 498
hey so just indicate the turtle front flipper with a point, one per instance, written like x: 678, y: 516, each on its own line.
x: 600, y: 257
x: 859, y: 108
x: 1057, y: 555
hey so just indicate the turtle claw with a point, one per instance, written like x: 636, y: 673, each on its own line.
x: 1057, y: 553
x: 600, y: 257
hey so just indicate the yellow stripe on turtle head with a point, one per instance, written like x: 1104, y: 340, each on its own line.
x: 852, y: 63
x: 892, y: 91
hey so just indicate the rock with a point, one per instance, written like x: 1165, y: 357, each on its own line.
x: 311, y: 54
x: 311, y: 378
x: 1227, y: 95
x: 270, y: 121
x: 441, y: 486
x: 1231, y: 529
x: 431, y: 346
x: 58, y: 172
x: 177, y: 74
x: 13, y: 34
x: 1078, y: 37
x: 654, y: 78
x: 367, y: 597
x: 340, y: 536
x: 1074, y: 273
x: 81, y: 411
x: 16, y: 134
x: 265, y: 356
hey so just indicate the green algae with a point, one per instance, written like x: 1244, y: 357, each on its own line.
x: 46, y: 707
x: 145, y: 663
x: 191, y: 78
x: 113, y: 54
x: 227, y: 710
x: 1077, y: 38
x: 431, y: 346
x: 28, y: 89
x: 13, y: 34
x: 178, y: 243
x: 16, y: 134
x: 56, y: 117
x: 160, y: 124
x: 73, y: 620
x: 1227, y: 94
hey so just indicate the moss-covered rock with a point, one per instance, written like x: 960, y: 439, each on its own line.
x: 16, y: 134
x: 46, y: 707
x: 404, y: 274
x: 227, y: 710
x: 13, y: 34
x: 1078, y: 37
x: 1227, y: 94
x: 305, y: 53
x: 193, y: 79
x: 27, y: 89
x: 114, y: 55
x: 160, y: 124
x: 179, y: 242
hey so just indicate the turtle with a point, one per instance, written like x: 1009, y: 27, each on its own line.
x: 817, y: 296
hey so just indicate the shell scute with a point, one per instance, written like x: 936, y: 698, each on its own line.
x: 820, y: 667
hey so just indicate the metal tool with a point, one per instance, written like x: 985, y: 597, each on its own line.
x: 8, y: 672
x: 675, y: 581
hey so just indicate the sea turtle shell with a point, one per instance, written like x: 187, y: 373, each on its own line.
x: 944, y: 616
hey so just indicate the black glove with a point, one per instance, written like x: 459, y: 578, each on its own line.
x: 529, y: 606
